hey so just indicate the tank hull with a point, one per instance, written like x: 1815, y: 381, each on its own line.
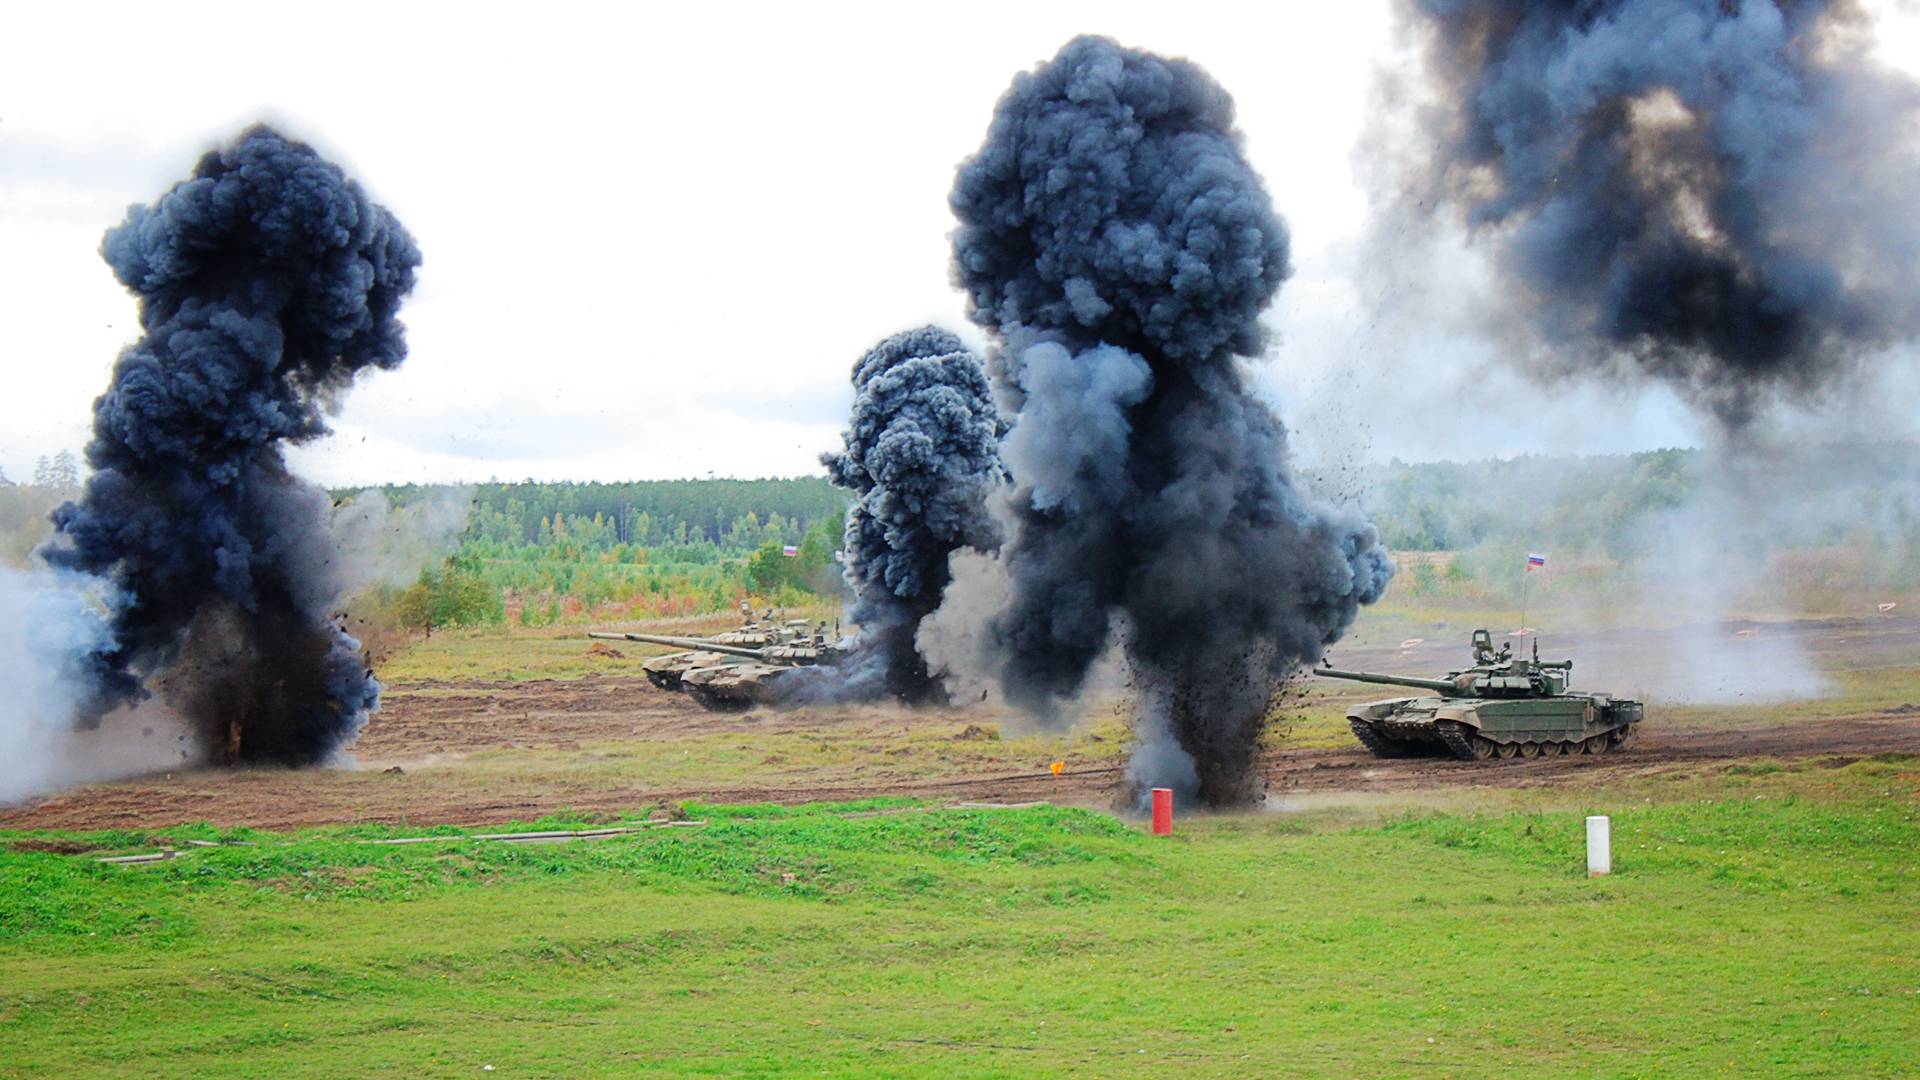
x: 1478, y: 729
x: 733, y: 687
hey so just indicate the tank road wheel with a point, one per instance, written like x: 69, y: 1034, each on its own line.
x: 713, y: 702
x: 1529, y: 750
x: 1595, y: 744
x: 1568, y: 749
x: 1506, y: 750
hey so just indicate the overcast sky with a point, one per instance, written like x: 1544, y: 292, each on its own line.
x: 656, y: 241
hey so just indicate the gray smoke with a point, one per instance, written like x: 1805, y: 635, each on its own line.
x: 1715, y: 195
x: 1120, y: 249
x: 378, y: 543
x: 49, y: 624
x: 920, y: 455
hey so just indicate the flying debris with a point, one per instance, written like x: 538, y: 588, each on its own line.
x: 1119, y: 249
x: 267, y: 282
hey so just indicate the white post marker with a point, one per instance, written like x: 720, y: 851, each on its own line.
x: 1599, y: 846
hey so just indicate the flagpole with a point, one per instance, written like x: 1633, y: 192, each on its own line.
x: 1533, y: 562
x: 1526, y: 580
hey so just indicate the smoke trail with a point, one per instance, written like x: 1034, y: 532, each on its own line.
x: 1118, y: 244
x: 267, y: 282
x: 1711, y: 194
x: 921, y: 453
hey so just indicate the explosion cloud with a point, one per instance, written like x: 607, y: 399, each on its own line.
x: 1118, y: 245
x: 921, y: 454
x: 1716, y: 192
x: 267, y: 282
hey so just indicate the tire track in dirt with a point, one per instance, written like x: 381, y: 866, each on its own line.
x: 283, y: 799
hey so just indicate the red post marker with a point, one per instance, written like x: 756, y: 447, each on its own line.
x: 1163, y: 811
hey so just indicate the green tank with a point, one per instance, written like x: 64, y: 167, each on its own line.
x: 666, y: 671
x: 1498, y: 708
x: 741, y: 676
x: 741, y: 685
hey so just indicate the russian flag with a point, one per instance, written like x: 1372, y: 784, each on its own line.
x: 1536, y: 562
x: 790, y: 551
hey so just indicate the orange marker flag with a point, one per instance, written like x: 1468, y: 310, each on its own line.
x: 1057, y: 766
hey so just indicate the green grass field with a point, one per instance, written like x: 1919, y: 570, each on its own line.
x: 1761, y: 921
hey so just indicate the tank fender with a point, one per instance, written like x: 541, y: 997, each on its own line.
x: 1458, y: 714
x: 1377, y: 710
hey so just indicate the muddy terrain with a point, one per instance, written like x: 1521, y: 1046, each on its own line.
x: 476, y: 751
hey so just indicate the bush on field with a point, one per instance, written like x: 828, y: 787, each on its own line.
x: 452, y: 594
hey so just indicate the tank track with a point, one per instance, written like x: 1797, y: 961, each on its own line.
x: 1376, y: 744
x: 1457, y: 739
x: 713, y: 702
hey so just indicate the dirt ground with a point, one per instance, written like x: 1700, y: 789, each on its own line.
x: 477, y: 752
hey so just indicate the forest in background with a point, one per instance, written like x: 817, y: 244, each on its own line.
x: 537, y: 553
x: 1811, y: 521
x: 540, y: 553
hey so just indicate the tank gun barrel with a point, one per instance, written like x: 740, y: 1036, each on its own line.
x: 1443, y: 687
x: 701, y: 644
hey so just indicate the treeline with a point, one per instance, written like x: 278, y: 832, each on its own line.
x: 536, y: 553
x: 542, y: 553
x: 1589, y: 504
x: 62, y: 471
x: 1813, y: 520
x: 733, y: 516
x: 1624, y: 506
x: 23, y: 517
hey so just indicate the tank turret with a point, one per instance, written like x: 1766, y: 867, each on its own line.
x: 1494, y: 674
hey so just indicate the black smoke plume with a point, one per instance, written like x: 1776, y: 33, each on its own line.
x: 1717, y: 194
x: 267, y: 282
x: 1115, y: 240
x: 921, y: 455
